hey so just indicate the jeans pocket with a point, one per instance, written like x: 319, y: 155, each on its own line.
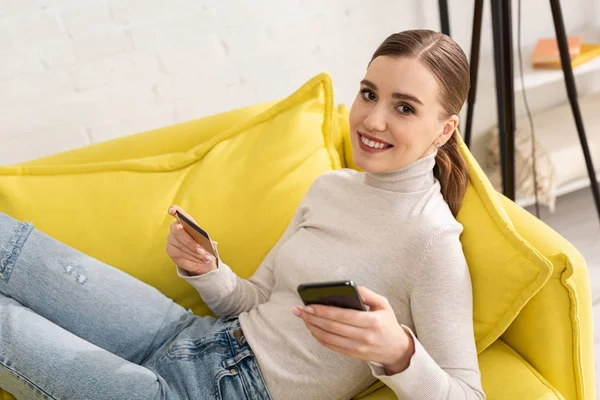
x: 193, y: 349
x: 229, y: 382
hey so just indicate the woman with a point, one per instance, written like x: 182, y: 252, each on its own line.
x: 72, y: 327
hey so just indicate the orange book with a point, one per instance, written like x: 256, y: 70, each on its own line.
x: 546, y: 50
x: 588, y: 52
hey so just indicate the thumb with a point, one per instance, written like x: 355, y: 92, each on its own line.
x: 174, y: 208
x: 373, y: 300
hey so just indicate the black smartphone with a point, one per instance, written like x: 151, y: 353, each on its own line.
x: 335, y: 293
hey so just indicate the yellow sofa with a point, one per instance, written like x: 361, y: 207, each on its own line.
x: 242, y: 173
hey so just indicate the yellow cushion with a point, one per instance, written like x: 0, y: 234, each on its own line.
x: 181, y: 138
x: 241, y: 184
x: 506, y: 270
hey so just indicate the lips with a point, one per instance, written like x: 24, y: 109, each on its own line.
x: 372, y: 150
x: 373, y: 139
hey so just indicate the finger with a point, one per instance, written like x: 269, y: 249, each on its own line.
x: 174, y: 208
x: 175, y: 249
x: 373, y: 300
x: 347, y: 316
x: 332, y: 326
x: 199, y: 251
x: 171, y: 240
x: 191, y: 251
x: 178, y: 257
x: 186, y: 243
x: 327, y: 338
x: 183, y: 237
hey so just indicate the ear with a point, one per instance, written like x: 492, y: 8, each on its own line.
x: 449, y: 128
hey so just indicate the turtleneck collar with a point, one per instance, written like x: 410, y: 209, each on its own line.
x: 414, y: 177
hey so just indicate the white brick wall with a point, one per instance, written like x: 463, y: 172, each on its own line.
x: 75, y: 72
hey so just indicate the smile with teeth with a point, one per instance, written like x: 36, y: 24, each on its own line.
x: 373, y: 144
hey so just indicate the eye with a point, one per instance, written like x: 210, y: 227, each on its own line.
x: 405, y: 109
x: 368, y: 95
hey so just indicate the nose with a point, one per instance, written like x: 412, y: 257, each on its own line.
x: 375, y: 120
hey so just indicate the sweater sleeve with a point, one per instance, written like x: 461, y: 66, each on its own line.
x: 444, y: 365
x: 228, y: 294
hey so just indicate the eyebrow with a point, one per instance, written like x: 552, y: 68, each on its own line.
x: 401, y: 96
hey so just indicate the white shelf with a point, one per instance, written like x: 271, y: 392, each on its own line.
x: 538, y: 77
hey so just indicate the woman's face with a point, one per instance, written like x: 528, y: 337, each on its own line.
x: 398, y: 113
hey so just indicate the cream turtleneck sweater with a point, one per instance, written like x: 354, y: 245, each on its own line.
x: 391, y: 232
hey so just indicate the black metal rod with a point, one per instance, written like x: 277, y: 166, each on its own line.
x: 509, y: 90
x: 474, y: 66
x: 444, y: 18
x: 565, y: 60
x: 496, y: 7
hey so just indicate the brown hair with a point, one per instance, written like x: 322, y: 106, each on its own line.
x: 448, y: 63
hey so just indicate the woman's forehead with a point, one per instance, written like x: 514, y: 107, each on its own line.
x: 402, y: 75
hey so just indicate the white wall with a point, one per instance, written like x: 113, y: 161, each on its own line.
x: 76, y: 72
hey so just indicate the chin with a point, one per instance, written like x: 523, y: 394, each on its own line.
x: 368, y: 165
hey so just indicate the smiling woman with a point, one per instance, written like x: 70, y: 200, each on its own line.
x: 418, y: 336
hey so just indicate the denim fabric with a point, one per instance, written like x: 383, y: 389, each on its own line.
x: 72, y: 327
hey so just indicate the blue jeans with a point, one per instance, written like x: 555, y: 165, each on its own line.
x: 72, y: 327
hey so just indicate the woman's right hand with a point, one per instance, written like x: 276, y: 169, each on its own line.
x: 184, y: 251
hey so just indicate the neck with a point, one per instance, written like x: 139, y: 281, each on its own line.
x: 414, y: 177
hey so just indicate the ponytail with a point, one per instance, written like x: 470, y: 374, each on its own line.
x: 451, y: 170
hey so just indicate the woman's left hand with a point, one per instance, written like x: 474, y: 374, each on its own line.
x: 375, y: 335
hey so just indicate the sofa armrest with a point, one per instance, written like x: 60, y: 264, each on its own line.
x: 553, y: 332
x: 505, y: 376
